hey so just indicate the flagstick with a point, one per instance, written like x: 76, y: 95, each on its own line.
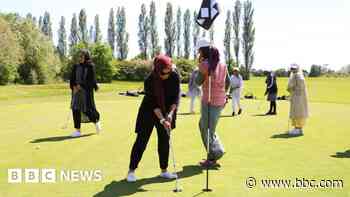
x: 208, y: 130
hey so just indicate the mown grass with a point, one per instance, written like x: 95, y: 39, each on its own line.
x: 31, y: 137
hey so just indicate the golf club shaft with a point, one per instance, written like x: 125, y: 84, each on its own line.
x: 65, y: 125
x: 173, y: 156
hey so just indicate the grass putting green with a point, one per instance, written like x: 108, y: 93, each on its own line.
x: 32, y: 137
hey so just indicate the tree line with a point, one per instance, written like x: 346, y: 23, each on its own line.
x: 34, y: 59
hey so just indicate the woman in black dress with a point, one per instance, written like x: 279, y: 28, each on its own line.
x: 83, y: 83
x: 158, y: 109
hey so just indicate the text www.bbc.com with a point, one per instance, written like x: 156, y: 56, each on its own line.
x: 251, y: 182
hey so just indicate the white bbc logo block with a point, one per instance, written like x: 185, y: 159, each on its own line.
x: 14, y: 175
x: 48, y: 176
x: 31, y: 175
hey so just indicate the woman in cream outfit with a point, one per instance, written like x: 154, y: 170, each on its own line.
x: 299, y: 110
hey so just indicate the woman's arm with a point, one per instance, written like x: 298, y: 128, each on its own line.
x: 227, y: 82
x: 94, y: 81
x: 72, y: 79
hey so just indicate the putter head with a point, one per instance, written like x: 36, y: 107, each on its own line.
x: 176, y: 190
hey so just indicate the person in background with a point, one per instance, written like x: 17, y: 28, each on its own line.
x: 193, y: 90
x: 212, y: 106
x: 271, y: 92
x: 237, y: 86
x: 299, y: 110
x: 158, y: 109
x: 83, y: 83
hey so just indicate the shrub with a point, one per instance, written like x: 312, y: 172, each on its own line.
x: 102, y: 58
x: 185, y: 68
x: 8, y: 74
x: 134, y: 70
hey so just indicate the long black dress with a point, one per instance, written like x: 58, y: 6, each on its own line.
x: 147, y: 120
x: 145, y: 114
x: 83, y: 101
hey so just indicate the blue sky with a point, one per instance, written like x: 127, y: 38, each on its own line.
x: 287, y: 31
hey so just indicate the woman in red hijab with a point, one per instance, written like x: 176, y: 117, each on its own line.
x: 158, y: 109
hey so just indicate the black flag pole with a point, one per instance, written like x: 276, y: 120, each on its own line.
x: 208, y: 12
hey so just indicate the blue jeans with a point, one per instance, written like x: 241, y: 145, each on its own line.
x: 216, y: 149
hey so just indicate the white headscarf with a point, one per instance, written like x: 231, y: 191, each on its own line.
x: 299, y: 73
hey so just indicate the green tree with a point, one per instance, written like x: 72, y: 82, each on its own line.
x: 40, y: 23
x: 111, y: 30
x: 97, y: 30
x: 187, y: 33
x: 62, y: 39
x: 236, y: 15
x: 179, y: 32
x: 315, y: 71
x: 91, y: 34
x: 83, y: 29
x: 170, y: 31
x: 40, y: 64
x: 143, y: 34
x: 47, y: 26
x: 195, y: 34
x: 228, y: 38
x: 11, y: 53
x: 248, y: 38
x: 74, y: 35
x: 121, y: 35
x: 155, y: 48
x: 102, y: 58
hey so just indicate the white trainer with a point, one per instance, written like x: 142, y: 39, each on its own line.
x: 294, y: 132
x: 298, y: 132
x: 98, y: 127
x: 131, y: 177
x: 76, y: 134
x: 291, y: 132
x: 168, y: 175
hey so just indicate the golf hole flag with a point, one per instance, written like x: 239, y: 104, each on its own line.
x: 207, y: 14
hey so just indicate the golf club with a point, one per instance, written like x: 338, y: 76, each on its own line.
x: 65, y: 125
x: 177, y: 189
x: 260, y: 104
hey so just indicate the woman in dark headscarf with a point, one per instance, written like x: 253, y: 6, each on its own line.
x: 271, y: 92
x: 158, y: 109
x: 83, y: 83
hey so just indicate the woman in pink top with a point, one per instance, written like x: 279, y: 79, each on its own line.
x: 213, y: 100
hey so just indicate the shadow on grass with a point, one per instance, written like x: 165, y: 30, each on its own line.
x: 226, y: 116
x: 198, y: 194
x: 285, y: 136
x: 260, y: 115
x: 345, y: 154
x: 59, y: 138
x: 123, y: 188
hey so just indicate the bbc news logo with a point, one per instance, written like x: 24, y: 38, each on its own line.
x: 19, y: 175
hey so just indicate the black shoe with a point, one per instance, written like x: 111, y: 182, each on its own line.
x: 239, y: 111
x: 233, y: 113
x: 268, y: 113
x: 273, y: 113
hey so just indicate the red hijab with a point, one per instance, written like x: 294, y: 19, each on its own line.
x: 160, y: 62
